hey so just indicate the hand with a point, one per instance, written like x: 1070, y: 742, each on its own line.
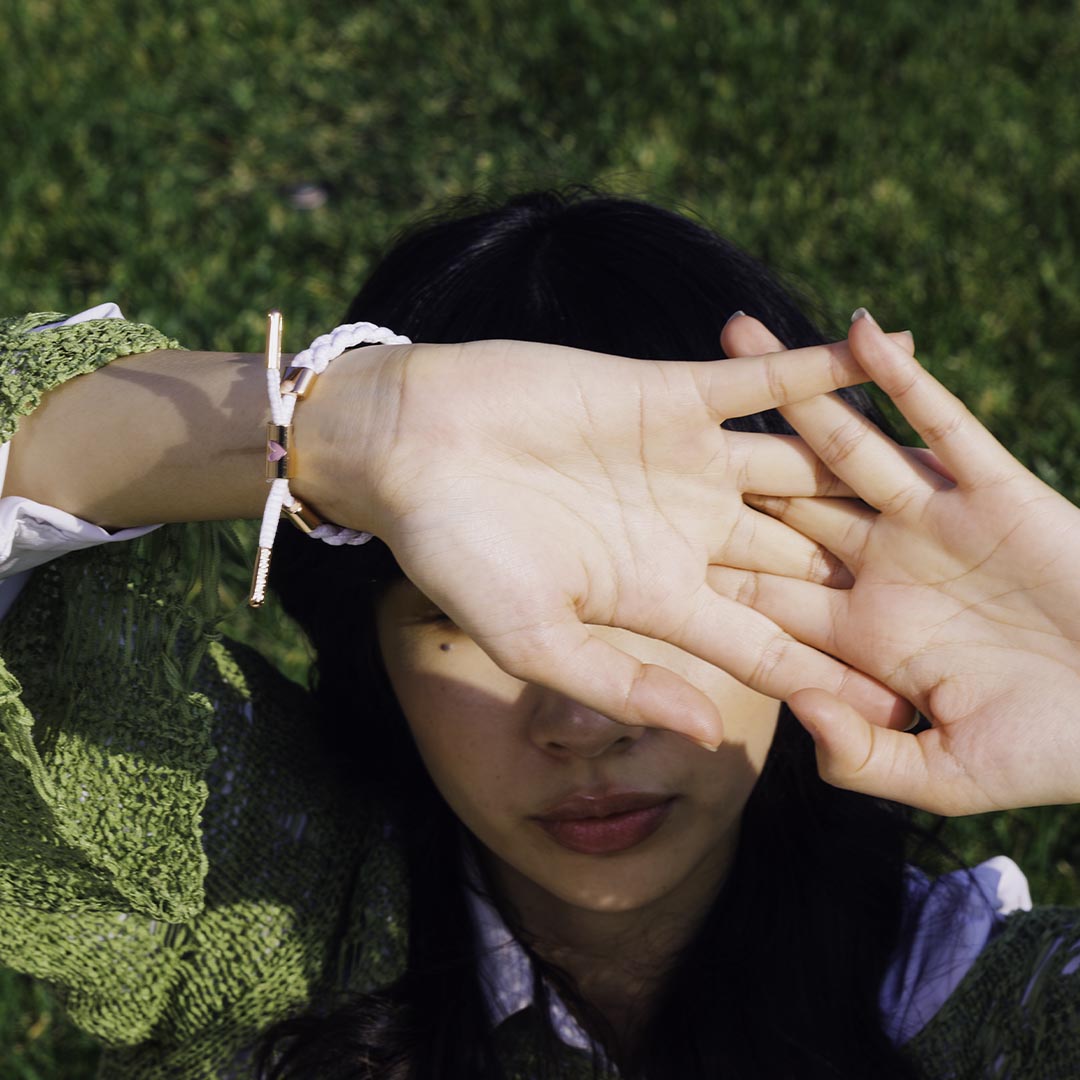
x: 534, y: 492
x: 966, y: 598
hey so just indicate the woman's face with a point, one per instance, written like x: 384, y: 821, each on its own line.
x: 597, y: 815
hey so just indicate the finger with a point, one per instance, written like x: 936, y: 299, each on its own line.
x: 878, y: 470
x: 763, y: 657
x: 604, y: 678
x: 811, y: 613
x: 746, y: 336
x: 780, y: 465
x: 841, y: 526
x: 967, y: 450
x: 808, y: 612
x: 860, y: 756
x: 743, y: 335
x: 757, y: 542
x: 753, y: 384
x: 785, y: 465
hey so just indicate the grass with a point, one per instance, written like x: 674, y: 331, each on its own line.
x: 922, y: 160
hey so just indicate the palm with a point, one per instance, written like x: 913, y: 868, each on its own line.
x: 965, y: 601
x: 949, y: 611
x: 543, y: 491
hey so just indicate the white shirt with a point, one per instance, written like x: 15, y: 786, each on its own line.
x: 32, y: 534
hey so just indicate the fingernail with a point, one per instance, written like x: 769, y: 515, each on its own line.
x: 862, y: 313
x: 909, y: 335
x: 734, y: 315
x: 704, y: 745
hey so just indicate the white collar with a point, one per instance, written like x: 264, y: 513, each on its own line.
x: 506, y: 972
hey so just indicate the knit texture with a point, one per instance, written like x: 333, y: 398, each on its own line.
x: 175, y: 858
x: 178, y: 861
x: 32, y: 364
x: 1017, y: 1013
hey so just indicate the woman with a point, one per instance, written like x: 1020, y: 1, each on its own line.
x: 572, y: 273
x: 703, y: 922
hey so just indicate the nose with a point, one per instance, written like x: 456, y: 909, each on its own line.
x: 566, y: 728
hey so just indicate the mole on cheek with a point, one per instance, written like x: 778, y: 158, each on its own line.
x: 445, y: 646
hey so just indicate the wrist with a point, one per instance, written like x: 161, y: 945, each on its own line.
x: 343, y: 431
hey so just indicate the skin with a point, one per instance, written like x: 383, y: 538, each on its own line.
x: 533, y: 491
x: 502, y: 750
x: 964, y: 600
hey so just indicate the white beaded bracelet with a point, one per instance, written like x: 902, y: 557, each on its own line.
x: 284, y: 391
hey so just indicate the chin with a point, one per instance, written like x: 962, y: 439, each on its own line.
x: 602, y: 891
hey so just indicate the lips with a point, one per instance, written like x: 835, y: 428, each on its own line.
x: 584, y: 805
x: 605, y: 824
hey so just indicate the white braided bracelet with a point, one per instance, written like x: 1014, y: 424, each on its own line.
x: 283, y: 391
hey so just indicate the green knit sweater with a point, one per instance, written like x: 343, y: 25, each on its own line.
x: 178, y: 862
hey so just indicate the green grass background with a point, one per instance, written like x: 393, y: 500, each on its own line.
x: 920, y: 158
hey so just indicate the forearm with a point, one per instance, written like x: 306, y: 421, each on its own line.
x: 162, y: 436
x: 180, y: 436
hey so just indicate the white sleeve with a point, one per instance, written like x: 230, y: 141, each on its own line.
x: 31, y: 533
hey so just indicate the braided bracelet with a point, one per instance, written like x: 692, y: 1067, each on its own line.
x: 284, y: 391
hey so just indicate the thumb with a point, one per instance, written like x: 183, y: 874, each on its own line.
x: 859, y: 756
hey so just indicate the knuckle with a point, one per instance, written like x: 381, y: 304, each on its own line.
x: 825, y: 480
x: 747, y: 589
x: 774, y: 378
x: 822, y: 567
x: 838, y: 367
x: 525, y: 652
x: 776, y: 506
x: 903, y: 381
x: 898, y: 502
x: 629, y: 710
x: 828, y: 771
x: 842, y: 442
x: 741, y: 534
x: 770, y: 660
x: 836, y: 772
x: 945, y: 428
x: 854, y: 538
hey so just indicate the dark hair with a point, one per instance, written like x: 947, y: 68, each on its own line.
x: 783, y: 978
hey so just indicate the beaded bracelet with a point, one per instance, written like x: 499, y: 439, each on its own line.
x: 284, y: 391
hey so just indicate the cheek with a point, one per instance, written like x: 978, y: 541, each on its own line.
x: 749, y: 718
x: 749, y: 726
x: 462, y: 712
x: 720, y: 783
